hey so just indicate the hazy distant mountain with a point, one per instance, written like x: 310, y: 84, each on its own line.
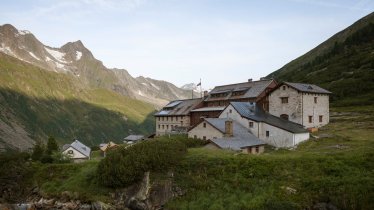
x: 343, y: 64
x: 74, y: 58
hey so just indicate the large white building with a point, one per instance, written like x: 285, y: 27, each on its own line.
x: 304, y: 104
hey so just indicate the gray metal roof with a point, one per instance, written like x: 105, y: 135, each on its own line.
x: 207, y: 109
x: 309, y: 88
x: 253, y: 112
x: 179, y: 107
x: 242, y: 136
x: 134, y: 137
x: 81, y: 148
x: 252, y: 89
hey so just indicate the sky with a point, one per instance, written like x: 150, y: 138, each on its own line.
x: 181, y: 41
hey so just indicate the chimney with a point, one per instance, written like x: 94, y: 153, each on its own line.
x: 250, y: 80
x: 205, y: 93
x: 229, y: 129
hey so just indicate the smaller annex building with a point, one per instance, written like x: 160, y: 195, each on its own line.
x: 224, y: 133
x: 77, y: 151
x: 273, y: 130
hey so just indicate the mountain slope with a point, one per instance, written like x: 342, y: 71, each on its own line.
x: 75, y: 59
x: 344, y: 64
x: 35, y: 103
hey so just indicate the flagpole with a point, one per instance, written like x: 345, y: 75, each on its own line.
x: 201, y: 92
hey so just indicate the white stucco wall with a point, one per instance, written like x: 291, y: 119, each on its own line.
x: 277, y: 137
x: 75, y: 155
x: 300, y: 137
x: 209, y: 132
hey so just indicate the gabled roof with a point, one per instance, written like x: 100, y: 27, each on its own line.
x: 253, y: 112
x: 242, y: 137
x: 179, y: 107
x: 80, y: 147
x: 252, y: 89
x: 134, y: 137
x: 307, y: 88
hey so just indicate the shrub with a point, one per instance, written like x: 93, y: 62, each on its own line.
x: 126, y: 165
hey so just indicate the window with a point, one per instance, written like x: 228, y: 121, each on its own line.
x: 70, y: 152
x: 181, y: 123
x: 163, y: 126
x: 159, y: 126
x: 320, y: 118
x: 310, y: 119
x: 195, y: 137
x: 267, y: 133
x: 284, y: 100
x: 257, y: 149
x: 167, y: 127
x: 251, y: 124
x: 167, y: 118
x: 315, y: 100
x: 230, y: 111
x: 284, y: 87
x: 204, y: 137
x: 176, y: 118
x: 171, y: 118
x: 158, y: 118
x: 284, y: 116
x: 204, y: 125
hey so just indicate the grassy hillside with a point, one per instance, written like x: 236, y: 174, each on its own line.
x: 46, y: 103
x: 344, y: 64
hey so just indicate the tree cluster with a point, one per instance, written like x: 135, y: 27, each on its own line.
x: 47, y: 153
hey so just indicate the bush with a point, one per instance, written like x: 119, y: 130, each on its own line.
x: 126, y: 165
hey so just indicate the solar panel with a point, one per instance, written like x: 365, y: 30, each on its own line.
x: 173, y: 104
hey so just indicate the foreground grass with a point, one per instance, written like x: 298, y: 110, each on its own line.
x: 72, y: 181
x: 337, y: 168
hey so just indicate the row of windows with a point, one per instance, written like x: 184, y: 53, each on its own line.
x: 167, y: 127
x: 284, y: 100
x: 171, y: 118
x: 320, y: 119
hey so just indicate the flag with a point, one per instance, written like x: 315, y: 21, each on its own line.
x: 199, y: 84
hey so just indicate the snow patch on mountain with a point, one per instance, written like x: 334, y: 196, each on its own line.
x: 155, y: 86
x: 34, y: 56
x: 7, y: 50
x: 78, y: 55
x: 23, y: 32
x: 59, y: 56
x: 140, y: 93
x: 145, y: 84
